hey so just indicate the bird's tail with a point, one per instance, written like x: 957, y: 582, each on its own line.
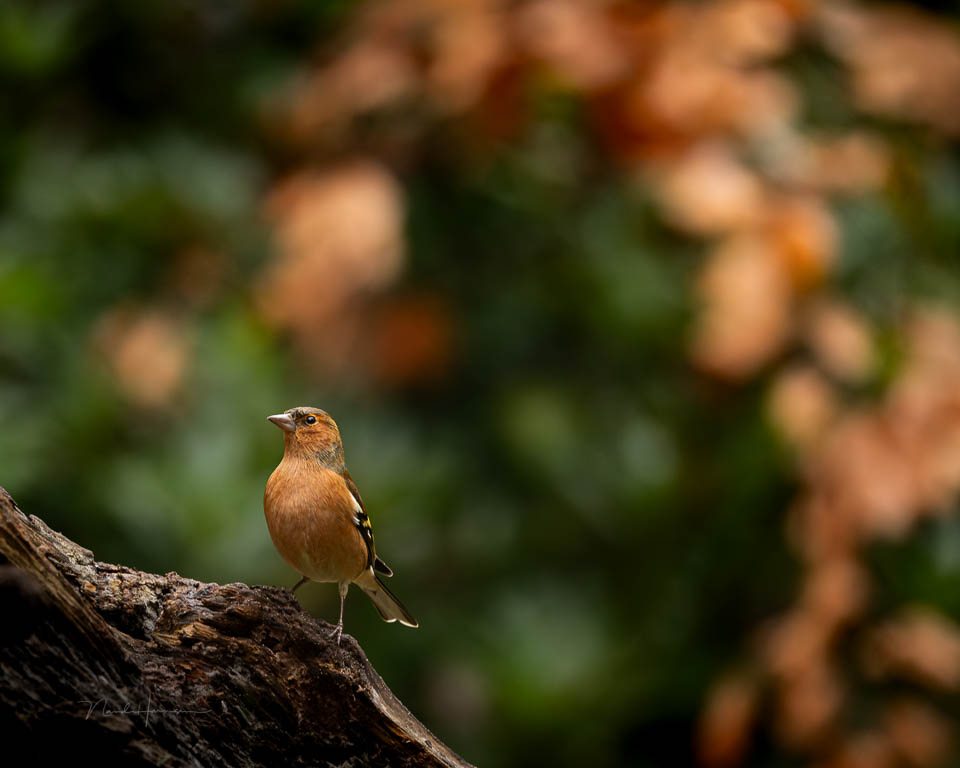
x: 386, y: 603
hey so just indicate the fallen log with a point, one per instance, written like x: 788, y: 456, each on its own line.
x: 119, y: 666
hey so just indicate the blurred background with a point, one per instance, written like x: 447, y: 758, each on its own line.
x: 639, y: 320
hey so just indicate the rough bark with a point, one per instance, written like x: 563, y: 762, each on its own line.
x: 124, y: 667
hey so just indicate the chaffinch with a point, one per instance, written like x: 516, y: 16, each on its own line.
x: 316, y: 517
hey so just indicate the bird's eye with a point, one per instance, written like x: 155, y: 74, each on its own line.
x: 311, y: 419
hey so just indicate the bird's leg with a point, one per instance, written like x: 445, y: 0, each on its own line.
x: 338, y: 630
x: 299, y: 583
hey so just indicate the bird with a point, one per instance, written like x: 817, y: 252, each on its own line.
x: 316, y: 517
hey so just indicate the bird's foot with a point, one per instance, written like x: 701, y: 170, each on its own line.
x: 337, y: 632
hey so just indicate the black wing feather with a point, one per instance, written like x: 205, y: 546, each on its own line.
x: 362, y: 522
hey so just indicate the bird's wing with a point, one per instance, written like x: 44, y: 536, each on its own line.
x: 362, y: 521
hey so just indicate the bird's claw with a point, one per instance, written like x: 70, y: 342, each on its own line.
x: 337, y: 632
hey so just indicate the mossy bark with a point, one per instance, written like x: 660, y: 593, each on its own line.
x: 103, y: 662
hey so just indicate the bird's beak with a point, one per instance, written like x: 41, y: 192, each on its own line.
x: 284, y: 421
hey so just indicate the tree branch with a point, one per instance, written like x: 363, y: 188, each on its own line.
x: 143, y: 669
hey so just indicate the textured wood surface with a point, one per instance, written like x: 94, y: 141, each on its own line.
x: 104, y: 662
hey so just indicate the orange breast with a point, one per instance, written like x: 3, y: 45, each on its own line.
x: 309, y: 514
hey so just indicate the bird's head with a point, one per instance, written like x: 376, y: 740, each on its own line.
x: 310, y: 433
